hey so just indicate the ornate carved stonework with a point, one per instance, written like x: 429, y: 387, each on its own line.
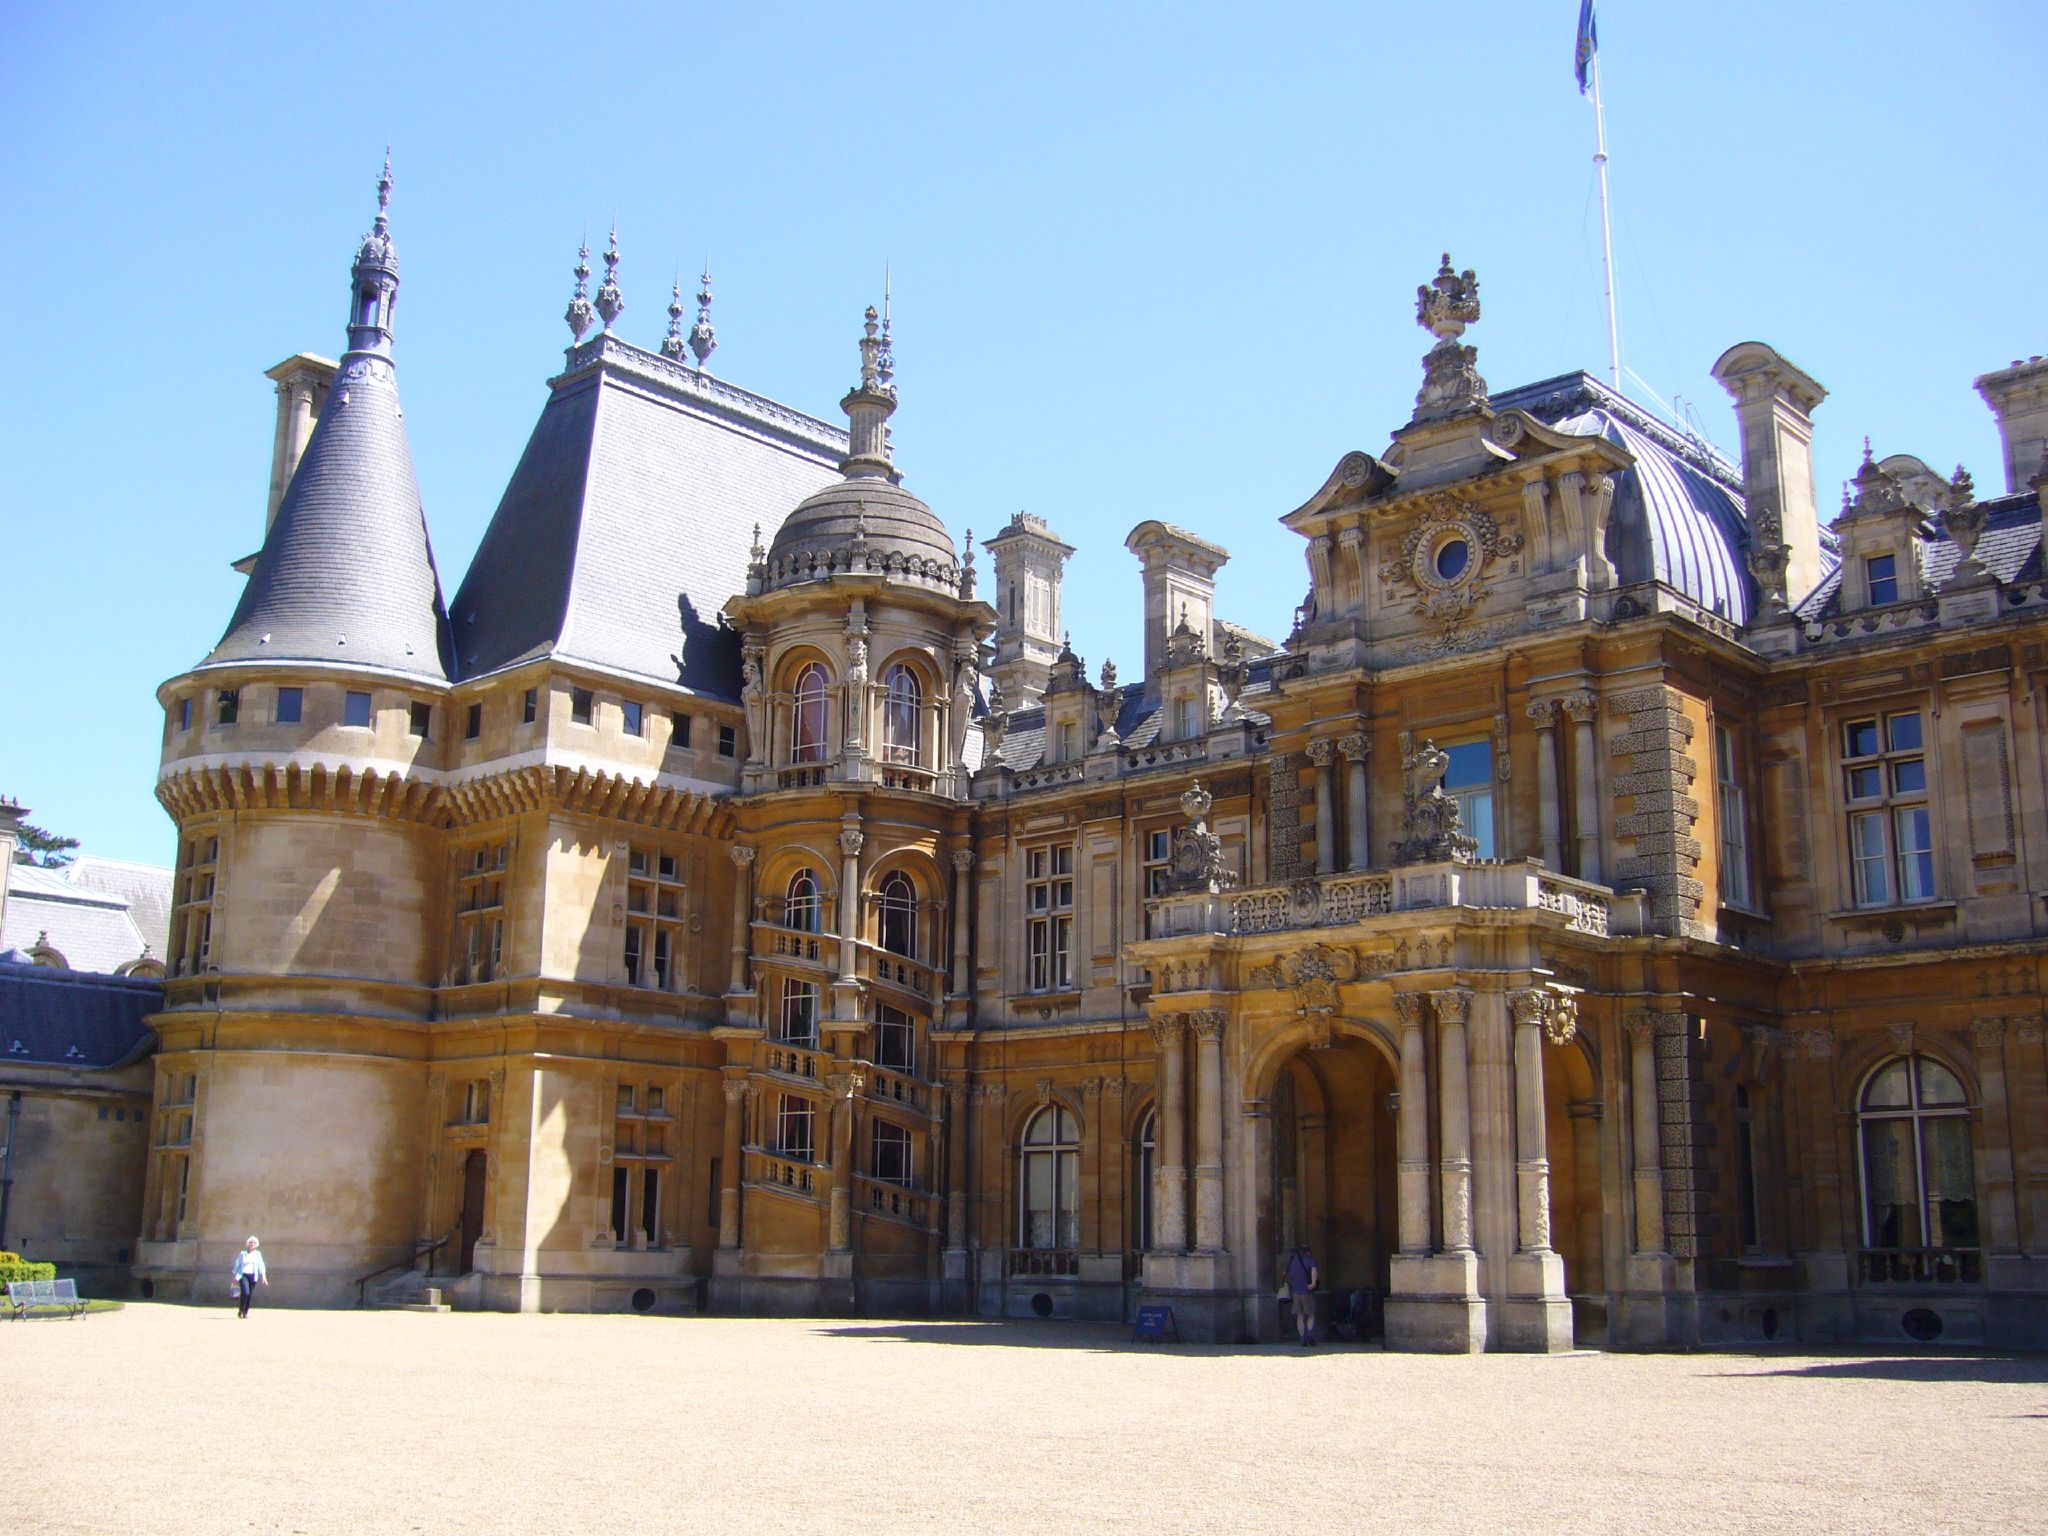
x: 1444, y: 306
x: 1314, y: 974
x: 1987, y: 1033
x: 1443, y: 562
x: 1453, y: 1004
x: 1198, y: 861
x: 963, y: 859
x: 1283, y: 817
x: 1165, y: 1030
x: 1556, y: 1013
x: 1207, y: 1023
x: 850, y: 841
x: 742, y: 855
x: 1430, y: 832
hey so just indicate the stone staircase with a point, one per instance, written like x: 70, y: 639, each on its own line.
x: 406, y: 1291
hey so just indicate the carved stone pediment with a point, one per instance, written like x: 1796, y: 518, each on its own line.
x: 1313, y: 974
x: 1357, y: 479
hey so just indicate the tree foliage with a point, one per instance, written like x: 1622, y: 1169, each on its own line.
x: 45, y: 850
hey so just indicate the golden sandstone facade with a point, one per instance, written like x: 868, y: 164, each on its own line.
x: 1613, y: 914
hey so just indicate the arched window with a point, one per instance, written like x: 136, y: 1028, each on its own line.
x: 1147, y: 1175
x: 811, y: 714
x: 1919, y: 1190
x: 804, y: 907
x: 1052, y: 1181
x: 899, y: 915
x: 900, y: 711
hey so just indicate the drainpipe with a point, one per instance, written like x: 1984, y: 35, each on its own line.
x: 7, y: 1162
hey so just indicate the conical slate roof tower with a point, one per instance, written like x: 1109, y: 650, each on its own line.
x: 346, y: 574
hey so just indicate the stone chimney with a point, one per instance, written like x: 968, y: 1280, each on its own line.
x: 1774, y: 402
x: 1029, y: 559
x: 2018, y: 397
x: 12, y: 815
x: 302, y: 384
x: 1180, y: 583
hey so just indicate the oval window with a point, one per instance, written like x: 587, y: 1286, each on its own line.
x: 1452, y: 556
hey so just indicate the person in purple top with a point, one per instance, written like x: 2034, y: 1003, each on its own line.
x: 1301, y: 1290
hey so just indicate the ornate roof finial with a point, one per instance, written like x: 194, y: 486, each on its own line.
x: 703, y: 339
x: 869, y: 351
x: 610, y: 302
x: 672, y: 343
x: 885, y: 360
x: 579, y: 313
x: 967, y: 567
x: 384, y: 195
x: 1866, y: 447
x: 1444, y: 306
x: 758, y: 552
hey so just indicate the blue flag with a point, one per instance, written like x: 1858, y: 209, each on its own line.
x: 1589, y: 40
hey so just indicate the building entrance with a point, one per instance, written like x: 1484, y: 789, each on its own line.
x: 474, y: 1168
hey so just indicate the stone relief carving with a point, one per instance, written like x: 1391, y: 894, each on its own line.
x: 1430, y: 830
x: 1198, y: 859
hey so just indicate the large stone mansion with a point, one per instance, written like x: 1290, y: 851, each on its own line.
x: 1614, y: 912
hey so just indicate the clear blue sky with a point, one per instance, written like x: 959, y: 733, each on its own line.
x: 1150, y: 261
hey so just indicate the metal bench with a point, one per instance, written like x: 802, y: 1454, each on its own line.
x: 26, y: 1296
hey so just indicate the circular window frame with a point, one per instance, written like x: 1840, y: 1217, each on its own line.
x: 1430, y: 550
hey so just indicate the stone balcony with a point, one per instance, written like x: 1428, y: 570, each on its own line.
x: 1340, y: 900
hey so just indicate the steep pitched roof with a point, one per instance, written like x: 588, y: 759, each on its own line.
x: 92, y: 930
x: 630, y: 518
x: 346, y: 575
x: 145, y: 887
x: 65, y: 1019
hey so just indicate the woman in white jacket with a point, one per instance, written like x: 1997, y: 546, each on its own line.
x: 248, y: 1274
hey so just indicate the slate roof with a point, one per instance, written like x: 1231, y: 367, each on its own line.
x: 1678, y: 514
x: 145, y: 887
x: 2010, y: 548
x: 630, y: 519
x: 1138, y: 721
x: 68, y: 1019
x: 92, y: 930
x: 346, y: 574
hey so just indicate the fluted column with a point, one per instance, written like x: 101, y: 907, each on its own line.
x: 850, y: 840
x: 1324, y: 755
x: 963, y: 864
x: 843, y: 1086
x: 1649, y: 1162
x: 1543, y: 712
x: 1355, y: 748
x: 1530, y: 1009
x: 1170, y: 1197
x: 729, y: 1169
x: 956, y: 1165
x: 1412, y: 1191
x: 1453, y: 1006
x: 1207, y: 1025
x: 1582, y: 707
x: 742, y: 917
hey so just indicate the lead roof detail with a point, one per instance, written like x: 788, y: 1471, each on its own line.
x: 346, y: 575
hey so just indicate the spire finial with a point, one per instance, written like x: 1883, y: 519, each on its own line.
x: 384, y: 194
x: 885, y: 356
x: 672, y: 344
x: 610, y: 302
x: 869, y: 348
x: 579, y: 312
x: 703, y: 338
x: 375, y: 277
x: 1866, y: 447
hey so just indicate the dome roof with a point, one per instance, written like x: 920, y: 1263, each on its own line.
x: 863, y: 515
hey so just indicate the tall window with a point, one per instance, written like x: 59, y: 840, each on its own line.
x: 1147, y: 1176
x: 899, y: 915
x: 1049, y: 918
x: 639, y: 1153
x: 1733, y: 806
x: 1052, y: 1181
x: 803, y: 907
x: 1158, y: 860
x: 799, y: 1014
x: 192, y: 916
x: 895, y: 1039
x: 1747, y: 1195
x: 1469, y: 780
x: 177, y: 1103
x: 901, y: 711
x: 811, y: 716
x: 1919, y: 1191
x: 479, y: 948
x: 654, y: 919
x: 793, y: 1126
x: 1891, y: 846
x: 889, y: 1151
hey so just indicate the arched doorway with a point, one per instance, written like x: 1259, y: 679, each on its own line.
x: 1572, y: 1112
x: 1333, y: 1181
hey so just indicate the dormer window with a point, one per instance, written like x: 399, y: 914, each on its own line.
x: 1070, y: 741
x: 1184, y: 718
x: 1881, y: 579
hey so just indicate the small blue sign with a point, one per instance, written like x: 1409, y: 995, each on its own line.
x: 1153, y: 1325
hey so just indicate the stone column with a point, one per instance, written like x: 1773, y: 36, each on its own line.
x: 956, y: 1165
x: 2001, y: 1210
x: 730, y: 1169
x: 963, y: 862
x: 1324, y: 755
x: 1170, y: 1197
x: 850, y: 840
x: 1544, y: 713
x: 843, y: 1086
x: 1582, y: 707
x: 742, y: 917
x: 1207, y: 1024
x: 1530, y: 1009
x: 1648, y: 1158
x: 1413, y: 1134
x: 1355, y: 748
x: 1453, y: 1006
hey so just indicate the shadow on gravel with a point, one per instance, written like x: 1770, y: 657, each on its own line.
x: 1101, y: 1338
x: 2016, y: 1369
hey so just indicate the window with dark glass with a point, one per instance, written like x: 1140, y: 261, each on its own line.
x: 631, y: 717
x: 1051, y: 1169
x: 1469, y: 780
x: 803, y: 904
x: 889, y: 1152
x: 728, y: 742
x: 581, y: 703
x: 793, y: 1127
x: 899, y: 915
x: 895, y: 1039
x: 355, y: 708
x: 227, y: 706
x: 1881, y: 578
x: 811, y: 715
x: 530, y: 707
x: 291, y: 703
x: 679, y: 729
x: 473, y: 723
x: 422, y: 718
x: 1891, y: 837
x: 1919, y: 1186
x: 901, y: 711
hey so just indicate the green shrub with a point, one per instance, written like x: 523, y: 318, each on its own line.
x: 13, y: 1267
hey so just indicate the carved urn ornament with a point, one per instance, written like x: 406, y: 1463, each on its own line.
x: 1430, y: 833
x: 1964, y: 522
x: 1444, y: 306
x: 1198, y: 862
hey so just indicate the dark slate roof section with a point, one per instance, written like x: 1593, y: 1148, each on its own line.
x: 1678, y: 513
x: 70, y: 1019
x: 2010, y: 548
x: 346, y: 576
x: 630, y: 521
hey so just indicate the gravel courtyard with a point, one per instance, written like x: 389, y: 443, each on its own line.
x: 171, y: 1419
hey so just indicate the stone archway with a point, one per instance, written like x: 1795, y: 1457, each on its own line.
x: 1572, y: 1112
x: 1332, y: 1182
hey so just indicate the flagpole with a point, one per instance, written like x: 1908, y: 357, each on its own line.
x: 1606, y: 227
